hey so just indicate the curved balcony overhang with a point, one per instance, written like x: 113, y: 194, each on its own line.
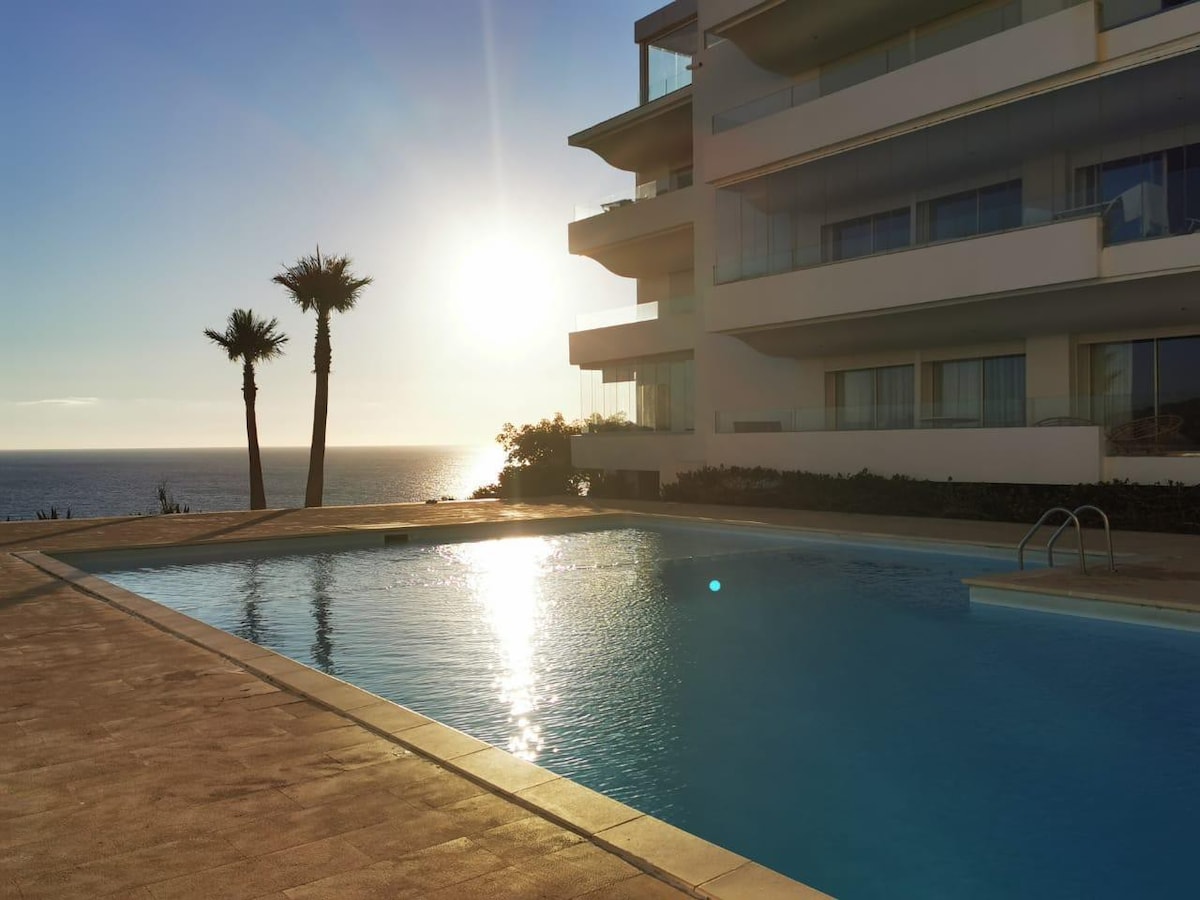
x: 654, y: 134
x: 791, y: 36
x: 644, y: 257
x: 637, y: 240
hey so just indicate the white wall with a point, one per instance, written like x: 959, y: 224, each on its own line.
x: 1036, y: 50
x: 1016, y: 455
x: 1051, y: 254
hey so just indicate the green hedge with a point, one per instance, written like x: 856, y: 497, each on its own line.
x: 1172, y: 507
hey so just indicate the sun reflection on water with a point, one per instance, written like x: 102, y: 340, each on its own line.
x: 506, y: 579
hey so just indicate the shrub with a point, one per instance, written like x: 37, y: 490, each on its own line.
x: 1172, y: 507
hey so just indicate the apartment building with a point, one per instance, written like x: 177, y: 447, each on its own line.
x: 936, y: 238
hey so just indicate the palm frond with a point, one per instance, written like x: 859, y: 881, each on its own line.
x: 322, y: 283
x: 248, y: 337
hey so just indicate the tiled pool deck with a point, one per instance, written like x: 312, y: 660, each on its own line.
x: 148, y: 755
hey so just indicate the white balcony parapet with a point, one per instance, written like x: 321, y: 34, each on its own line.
x: 647, y: 190
x: 638, y: 312
x: 887, y: 58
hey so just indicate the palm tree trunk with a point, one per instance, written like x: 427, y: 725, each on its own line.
x: 322, y: 359
x: 258, y: 495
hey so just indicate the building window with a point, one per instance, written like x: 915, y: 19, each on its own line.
x: 1144, y: 196
x: 640, y: 395
x: 978, y: 393
x: 979, y: 211
x: 667, y: 61
x: 1137, y: 379
x: 873, y: 398
x: 876, y: 233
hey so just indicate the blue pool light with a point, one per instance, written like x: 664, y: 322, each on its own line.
x: 714, y: 585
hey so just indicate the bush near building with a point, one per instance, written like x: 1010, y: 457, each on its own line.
x: 1171, y: 507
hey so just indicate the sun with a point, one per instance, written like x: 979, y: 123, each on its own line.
x: 502, y: 284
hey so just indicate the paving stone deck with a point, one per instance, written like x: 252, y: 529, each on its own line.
x: 138, y: 764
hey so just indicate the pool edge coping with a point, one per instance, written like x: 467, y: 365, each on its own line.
x: 674, y: 856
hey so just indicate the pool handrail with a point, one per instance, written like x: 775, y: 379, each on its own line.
x: 1071, y: 519
x: 1112, y: 564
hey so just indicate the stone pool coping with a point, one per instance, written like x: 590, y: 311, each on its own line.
x: 677, y: 857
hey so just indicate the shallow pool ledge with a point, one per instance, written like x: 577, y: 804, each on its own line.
x: 1134, y: 594
x: 675, y: 856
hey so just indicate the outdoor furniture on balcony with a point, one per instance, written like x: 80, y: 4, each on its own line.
x: 1062, y: 421
x: 1147, y: 435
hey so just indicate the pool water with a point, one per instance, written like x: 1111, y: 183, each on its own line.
x: 836, y: 711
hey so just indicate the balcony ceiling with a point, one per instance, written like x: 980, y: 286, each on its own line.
x: 652, y: 135
x: 791, y: 36
x: 1163, y: 302
x: 645, y: 257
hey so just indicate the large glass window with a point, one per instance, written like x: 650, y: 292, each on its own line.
x: 666, y: 61
x: 640, y: 395
x: 974, y: 393
x: 980, y: 211
x: 874, y: 398
x: 1143, y: 196
x: 1139, y: 379
x: 870, y: 234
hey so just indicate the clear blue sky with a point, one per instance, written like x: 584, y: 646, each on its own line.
x: 160, y: 161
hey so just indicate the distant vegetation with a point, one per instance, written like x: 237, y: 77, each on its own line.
x: 167, y: 504
x: 53, y: 513
x: 252, y: 340
x: 324, y: 286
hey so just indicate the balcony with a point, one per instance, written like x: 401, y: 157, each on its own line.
x: 1013, y: 455
x: 1133, y: 25
x: 1054, y: 254
x: 791, y: 36
x: 655, y: 134
x: 642, y: 330
x: 639, y: 238
x: 970, y: 64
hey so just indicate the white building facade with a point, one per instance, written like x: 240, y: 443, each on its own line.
x: 935, y: 238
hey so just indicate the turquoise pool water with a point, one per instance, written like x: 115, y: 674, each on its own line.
x: 837, y: 711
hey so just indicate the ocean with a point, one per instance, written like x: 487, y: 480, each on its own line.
x: 124, y: 482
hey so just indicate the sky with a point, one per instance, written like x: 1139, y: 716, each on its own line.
x: 160, y: 162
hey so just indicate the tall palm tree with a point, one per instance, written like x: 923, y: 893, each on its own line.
x: 252, y: 340
x: 324, y: 285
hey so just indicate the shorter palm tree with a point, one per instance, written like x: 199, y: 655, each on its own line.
x: 252, y: 340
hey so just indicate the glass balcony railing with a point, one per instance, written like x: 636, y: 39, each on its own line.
x: 750, y: 265
x: 647, y: 190
x: 1128, y: 429
x: 1001, y: 412
x: 1114, y: 13
x: 1140, y: 212
x: 639, y: 312
x: 922, y: 44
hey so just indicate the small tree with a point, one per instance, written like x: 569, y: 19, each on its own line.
x: 252, y: 340
x: 538, y: 460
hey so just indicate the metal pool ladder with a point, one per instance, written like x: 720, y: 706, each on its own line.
x: 1072, y: 518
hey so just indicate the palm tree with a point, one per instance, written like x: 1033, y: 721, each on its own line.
x: 326, y: 285
x: 252, y: 340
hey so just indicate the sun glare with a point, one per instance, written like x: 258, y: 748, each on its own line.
x: 502, y: 287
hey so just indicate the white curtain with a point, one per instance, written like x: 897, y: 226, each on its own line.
x: 1004, y: 392
x: 1112, y: 383
x: 856, y: 399
x: 958, y: 392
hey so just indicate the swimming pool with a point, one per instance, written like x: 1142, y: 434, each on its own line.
x: 837, y: 711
